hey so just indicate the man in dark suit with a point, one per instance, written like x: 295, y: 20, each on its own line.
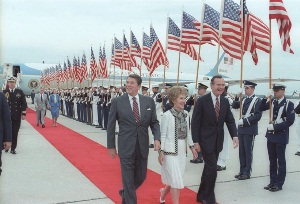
x: 278, y: 134
x: 210, y: 113
x: 5, y: 126
x: 32, y: 95
x: 247, y: 128
x: 17, y: 104
x: 135, y: 113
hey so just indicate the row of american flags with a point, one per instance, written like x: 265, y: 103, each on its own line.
x: 234, y: 28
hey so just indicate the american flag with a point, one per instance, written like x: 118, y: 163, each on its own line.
x: 84, y: 69
x: 135, y: 49
x: 65, y: 73
x: 128, y: 52
x: 70, y: 70
x: 174, y: 41
x: 146, y: 50
x: 157, y: 53
x: 61, y: 78
x: 79, y: 69
x: 76, y: 69
x: 190, y: 34
x: 42, y: 77
x: 57, y: 74
x: 100, y: 62
x: 277, y: 11
x: 114, y: 61
x: 127, y: 62
x: 93, y: 65
x: 118, y: 49
x: 104, y: 64
x: 249, y: 38
x: 211, y: 20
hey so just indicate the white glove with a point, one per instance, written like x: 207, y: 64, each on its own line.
x: 270, y: 127
x: 195, y: 92
x: 240, y: 91
x: 240, y: 122
x: 269, y: 93
x: 163, y: 91
x: 101, y: 105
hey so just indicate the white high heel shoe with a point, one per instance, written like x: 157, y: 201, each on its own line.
x: 161, y: 201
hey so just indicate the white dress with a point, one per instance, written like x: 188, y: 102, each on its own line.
x: 173, y: 167
x: 172, y: 170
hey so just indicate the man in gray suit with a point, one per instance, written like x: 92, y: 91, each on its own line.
x: 134, y: 113
x: 41, y: 104
x: 5, y: 126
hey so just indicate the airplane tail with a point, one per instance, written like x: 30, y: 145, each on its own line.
x: 213, y: 72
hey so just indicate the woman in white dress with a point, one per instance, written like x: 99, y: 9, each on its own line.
x: 175, y: 137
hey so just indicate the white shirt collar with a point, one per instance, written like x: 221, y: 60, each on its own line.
x: 279, y: 100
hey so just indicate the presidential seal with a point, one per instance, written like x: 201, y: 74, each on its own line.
x: 33, y: 84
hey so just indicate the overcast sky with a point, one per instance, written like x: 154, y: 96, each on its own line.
x: 51, y: 30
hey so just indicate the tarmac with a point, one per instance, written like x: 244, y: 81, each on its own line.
x: 39, y: 174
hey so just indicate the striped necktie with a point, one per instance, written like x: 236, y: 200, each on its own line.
x: 217, y: 108
x: 136, y: 110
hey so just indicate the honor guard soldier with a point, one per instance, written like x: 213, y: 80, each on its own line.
x: 95, y: 99
x: 165, y: 100
x: 157, y: 100
x: 247, y: 128
x: 201, y: 91
x: 99, y: 106
x: 17, y: 103
x: 297, y: 111
x: 145, y: 90
x: 283, y: 116
x: 105, y: 108
x: 89, y: 107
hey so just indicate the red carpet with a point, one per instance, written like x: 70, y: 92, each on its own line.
x: 93, y: 161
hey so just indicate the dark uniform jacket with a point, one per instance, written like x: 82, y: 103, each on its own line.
x: 250, y: 123
x: 281, y: 130
x: 5, y: 122
x: 16, y: 102
x: 297, y: 109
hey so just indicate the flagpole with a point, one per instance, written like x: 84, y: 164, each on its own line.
x: 179, y: 54
x: 166, y: 50
x: 270, y: 71
x: 242, y: 55
x: 142, y: 56
x: 199, y: 51
x: 115, y: 61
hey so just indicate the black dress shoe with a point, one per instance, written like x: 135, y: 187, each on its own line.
x: 297, y: 153
x: 6, y: 150
x: 268, y: 186
x: 196, y: 161
x: 275, y: 188
x: 238, y: 175
x: 104, y: 129
x: 43, y: 126
x: 243, y: 177
x: 220, y: 168
x: 13, y: 152
x: 151, y: 145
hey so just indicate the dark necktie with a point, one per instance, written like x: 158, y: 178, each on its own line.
x: 42, y: 97
x: 136, y: 110
x: 217, y: 108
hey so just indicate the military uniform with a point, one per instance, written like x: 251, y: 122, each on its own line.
x: 278, y: 137
x: 247, y: 130
x: 297, y: 111
x: 17, y: 104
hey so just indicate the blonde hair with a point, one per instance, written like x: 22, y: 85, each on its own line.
x: 174, y: 92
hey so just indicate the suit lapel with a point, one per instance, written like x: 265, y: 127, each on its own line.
x: 128, y: 108
x: 142, y: 106
x: 211, y: 107
x: 222, y: 107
